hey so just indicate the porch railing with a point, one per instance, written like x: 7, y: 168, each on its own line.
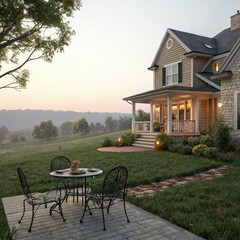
x: 142, y: 126
x: 185, y: 126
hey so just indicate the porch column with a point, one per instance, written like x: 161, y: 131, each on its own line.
x: 197, y: 115
x: 169, y: 114
x: 213, y: 109
x: 151, y: 117
x: 133, y: 116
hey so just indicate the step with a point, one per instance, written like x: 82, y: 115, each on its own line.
x: 143, y: 145
x: 145, y: 140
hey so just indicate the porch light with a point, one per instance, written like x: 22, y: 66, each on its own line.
x: 119, y: 142
x: 219, y: 105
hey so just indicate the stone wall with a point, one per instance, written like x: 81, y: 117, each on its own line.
x: 228, y: 88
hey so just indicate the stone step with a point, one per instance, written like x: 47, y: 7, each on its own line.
x: 143, y: 145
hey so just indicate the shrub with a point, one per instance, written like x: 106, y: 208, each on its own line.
x: 183, y: 141
x: 210, y: 152
x: 221, y: 135
x: 128, y: 138
x: 186, y: 149
x: 175, y: 147
x: 199, y: 149
x: 207, y: 140
x: 162, y: 142
x: 107, y: 142
x: 193, y: 141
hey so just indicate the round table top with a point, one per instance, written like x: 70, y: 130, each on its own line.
x: 81, y: 173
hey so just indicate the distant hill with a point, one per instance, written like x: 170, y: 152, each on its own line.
x: 16, y: 120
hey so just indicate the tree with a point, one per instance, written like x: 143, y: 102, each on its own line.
x: 110, y: 124
x: 3, y: 132
x: 32, y: 30
x: 46, y: 131
x: 81, y: 126
x: 142, y: 116
x: 124, y: 123
x: 66, y: 128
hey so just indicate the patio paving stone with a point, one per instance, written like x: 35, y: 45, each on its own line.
x: 143, y: 225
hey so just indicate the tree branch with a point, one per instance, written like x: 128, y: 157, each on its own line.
x: 22, y: 36
x: 20, y: 66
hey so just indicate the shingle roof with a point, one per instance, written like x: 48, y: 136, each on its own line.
x: 227, y: 39
x: 196, y: 42
x: 208, y: 75
x: 221, y: 43
x: 207, y: 88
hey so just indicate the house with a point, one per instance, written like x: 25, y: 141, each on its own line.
x: 196, y: 78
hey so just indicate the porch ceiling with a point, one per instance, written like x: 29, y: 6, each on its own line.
x: 176, y: 92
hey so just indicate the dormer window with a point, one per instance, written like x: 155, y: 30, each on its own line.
x: 216, y: 67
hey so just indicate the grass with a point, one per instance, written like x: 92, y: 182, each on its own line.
x: 189, y: 206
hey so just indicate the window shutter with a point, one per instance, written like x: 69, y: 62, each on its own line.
x: 179, y: 72
x: 164, y: 76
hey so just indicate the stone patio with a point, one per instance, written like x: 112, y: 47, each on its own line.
x: 143, y: 225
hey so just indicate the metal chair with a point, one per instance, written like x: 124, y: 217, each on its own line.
x: 60, y: 163
x: 113, y: 190
x: 54, y: 196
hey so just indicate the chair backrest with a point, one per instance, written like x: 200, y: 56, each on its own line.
x: 115, y: 181
x: 59, y: 163
x: 24, y: 184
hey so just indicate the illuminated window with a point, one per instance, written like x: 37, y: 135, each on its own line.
x: 216, y: 67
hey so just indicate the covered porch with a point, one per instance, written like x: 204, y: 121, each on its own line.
x: 176, y: 110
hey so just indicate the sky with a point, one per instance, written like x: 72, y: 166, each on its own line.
x: 114, y: 44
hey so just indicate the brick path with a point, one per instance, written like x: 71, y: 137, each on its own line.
x: 150, y: 189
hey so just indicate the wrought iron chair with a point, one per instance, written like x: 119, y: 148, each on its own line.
x: 54, y: 196
x: 60, y: 163
x: 113, y: 190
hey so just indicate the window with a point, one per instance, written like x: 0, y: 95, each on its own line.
x: 208, y: 46
x: 216, y: 67
x: 169, y: 43
x: 238, y: 111
x: 172, y: 74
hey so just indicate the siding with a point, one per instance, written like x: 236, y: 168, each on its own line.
x: 210, y: 66
x: 203, y: 112
x: 198, y: 64
x: 168, y: 56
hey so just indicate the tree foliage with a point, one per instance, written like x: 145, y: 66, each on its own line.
x: 32, y: 30
x: 124, y: 123
x: 142, y: 116
x: 45, y: 131
x: 3, y: 132
x: 66, y: 129
x: 110, y: 124
x: 81, y: 126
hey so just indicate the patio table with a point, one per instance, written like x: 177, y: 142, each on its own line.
x: 81, y: 173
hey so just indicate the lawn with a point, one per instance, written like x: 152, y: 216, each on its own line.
x: 209, y: 209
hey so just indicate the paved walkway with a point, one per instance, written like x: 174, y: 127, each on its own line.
x: 150, y: 189
x: 142, y: 226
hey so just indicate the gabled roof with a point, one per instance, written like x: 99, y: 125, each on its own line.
x: 192, y: 43
x: 206, y: 77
